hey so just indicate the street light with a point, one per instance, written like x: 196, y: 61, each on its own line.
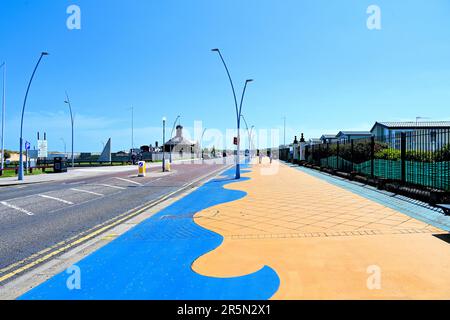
x: 249, y: 135
x: 201, y: 143
x: 164, y: 144
x: 67, y: 101
x: 171, y: 135
x: 64, y: 143
x: 2, y: 163
x: 238, y: 111
x: 21, y: 120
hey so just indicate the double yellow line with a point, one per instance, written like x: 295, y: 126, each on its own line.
x: 48, y: 253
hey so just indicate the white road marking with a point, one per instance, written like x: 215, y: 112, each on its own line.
x: 86, y: 191
x: 56, y: 199
x: 17, y: 208
x: 130, y: 181
x: 109, y: 186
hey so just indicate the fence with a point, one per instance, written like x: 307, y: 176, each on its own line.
x: 417, y: 157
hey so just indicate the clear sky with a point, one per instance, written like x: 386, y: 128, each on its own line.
x: 313, y: 61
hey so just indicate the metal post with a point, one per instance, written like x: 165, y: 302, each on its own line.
x: 238, y: 111
x: 163, y: 145
x: 352, y: 154
x: 403, y: 155
x: 20, y: 175
x: 337, y: 155
x: 372, y: 157
x: 171, y: 136
x: 72, y: 123
x: 2, y: 165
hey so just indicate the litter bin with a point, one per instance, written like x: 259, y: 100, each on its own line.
x: 59, y: 165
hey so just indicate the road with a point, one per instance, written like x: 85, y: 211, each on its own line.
x: 34, y: 218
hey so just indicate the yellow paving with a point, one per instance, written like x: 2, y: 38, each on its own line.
x: 323, y: 241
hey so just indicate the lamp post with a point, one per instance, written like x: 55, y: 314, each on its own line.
x: 132, y: 129
x: 238, y: 111
x: 201, y: 143
x: 249, y: 135
x: 163, y: 145
x: 171, y: 136
x: 64, y: 143
x: 2, y: 163
x: 72, y: 122
x: 284, y: 131
x: 21, y: 120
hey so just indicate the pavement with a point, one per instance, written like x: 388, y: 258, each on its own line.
x: 278, y: 233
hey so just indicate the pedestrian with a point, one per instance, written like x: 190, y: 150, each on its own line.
x: 260, y: 157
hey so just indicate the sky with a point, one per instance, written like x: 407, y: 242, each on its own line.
x: 314, y: 62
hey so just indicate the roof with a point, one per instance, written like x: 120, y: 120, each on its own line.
x: 328, y: 136
x: 180, y: 141
x: 414, y: 124
x: 354, y: 133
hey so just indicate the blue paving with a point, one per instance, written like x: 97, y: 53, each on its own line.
x: 413, y: 208
x: 153, y: 260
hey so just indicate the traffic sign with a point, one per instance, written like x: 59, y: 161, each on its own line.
x: 27, y: 145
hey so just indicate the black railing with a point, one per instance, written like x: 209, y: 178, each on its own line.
x: 420, y: 157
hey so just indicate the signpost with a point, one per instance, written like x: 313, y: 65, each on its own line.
x: 27, y: 148
x: 42, y: 149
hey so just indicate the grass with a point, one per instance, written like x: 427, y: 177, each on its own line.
x: 12, y: 173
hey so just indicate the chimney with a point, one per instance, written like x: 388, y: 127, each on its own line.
x: 179, y: 131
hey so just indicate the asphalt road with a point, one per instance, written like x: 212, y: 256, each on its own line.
x: 36, y: 217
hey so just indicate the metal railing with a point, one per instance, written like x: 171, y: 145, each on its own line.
x: 420, y: 157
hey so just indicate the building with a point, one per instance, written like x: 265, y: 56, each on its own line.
x: 328, y: 138
x: 386, y: 129
x: 314, y: 141
x: 426, y: 135
x: 346, y: 136
x: 180, y: 145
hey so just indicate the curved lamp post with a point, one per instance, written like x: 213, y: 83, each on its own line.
x: 2, y: 164
x: 72, y: 122
x: 238, y: 111
x: 164, y: 145
x: 21, y: 120
x: 201, y: 143
x: 171, y: 135
x: 249, y: 135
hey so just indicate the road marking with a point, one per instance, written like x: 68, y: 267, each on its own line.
x: 56, y: 199
x: 56, y: 249
x: 17, y: 208
x: 86, y: 191
x: 109, y: 186
x: 130, y: 181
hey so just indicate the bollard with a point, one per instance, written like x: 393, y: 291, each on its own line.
x: 168, y: 166
x: 142, y: 168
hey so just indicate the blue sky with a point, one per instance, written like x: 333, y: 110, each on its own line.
x: 313, y: 61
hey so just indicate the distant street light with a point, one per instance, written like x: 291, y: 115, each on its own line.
x: 163, y: 145
x: 72, y: 122
x: 21, y: 121
x: 201, y: 143
x: 64, y: 143
x: 2, y: 162
x: 171, y: 136
x: 238, y: 111
x: 249, y: 135
x: 132, y: 130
